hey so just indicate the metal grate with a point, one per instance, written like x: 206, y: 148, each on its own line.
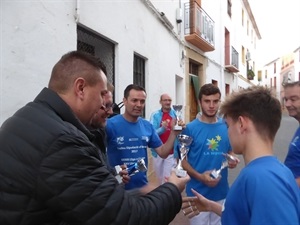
x: 95, y: 44
x: 139, y: 73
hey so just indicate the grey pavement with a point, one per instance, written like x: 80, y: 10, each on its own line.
x: 284, y: 135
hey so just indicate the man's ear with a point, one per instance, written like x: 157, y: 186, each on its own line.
x: 79, y: 85
x: 243, y: 123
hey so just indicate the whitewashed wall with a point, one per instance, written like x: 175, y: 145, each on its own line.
x: 35, y: 34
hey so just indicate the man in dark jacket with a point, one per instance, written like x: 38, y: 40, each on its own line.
x: 51, y: 172
x: 97, y: 128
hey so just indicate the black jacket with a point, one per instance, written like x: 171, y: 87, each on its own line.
x: 51, y: 173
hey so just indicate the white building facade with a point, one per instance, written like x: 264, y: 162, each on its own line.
x: 140, y: 41
x: 284, y: 69
x: 127, y: 35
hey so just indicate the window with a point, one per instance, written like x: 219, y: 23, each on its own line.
x: 259, y: 78
x: 242, y: 17
x: 93, y: 43
x: 266, y: 74
x: 243, y: 55
x: 85, y: 47
x: 139, y: 73
x: 227, y: 89
x: 193, y: 68
x: 274, y: 67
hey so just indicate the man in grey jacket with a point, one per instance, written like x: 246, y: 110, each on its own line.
x: 51, y: 172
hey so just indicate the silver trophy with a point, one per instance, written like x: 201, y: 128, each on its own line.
x: 184, y: 142
x: 228, y: 158
x: 139, y: 166
x: 177, y: 109
x: 132, y: 169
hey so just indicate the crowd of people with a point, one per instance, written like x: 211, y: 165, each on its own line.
x: 59, y: 155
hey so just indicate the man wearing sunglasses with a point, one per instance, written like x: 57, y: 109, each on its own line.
x: 98, y: 129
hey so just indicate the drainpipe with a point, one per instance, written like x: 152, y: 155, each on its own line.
x: 77, y: 11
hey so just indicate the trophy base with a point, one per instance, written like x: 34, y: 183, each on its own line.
x: 181, y: 173
x: 118, y: 177
x: 177, y: 128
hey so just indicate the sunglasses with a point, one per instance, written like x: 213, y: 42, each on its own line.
x: 108, y: 107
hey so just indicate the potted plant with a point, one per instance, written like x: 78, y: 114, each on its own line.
x: 250, y: 74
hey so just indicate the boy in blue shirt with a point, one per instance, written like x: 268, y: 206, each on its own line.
x: 265, y: 192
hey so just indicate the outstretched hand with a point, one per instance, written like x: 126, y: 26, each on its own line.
x: 192, y: 206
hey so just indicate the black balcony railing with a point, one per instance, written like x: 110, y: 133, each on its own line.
x: 196, y: 20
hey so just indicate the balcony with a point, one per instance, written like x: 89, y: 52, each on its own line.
x: 198, y: 27
x: 231, y: 63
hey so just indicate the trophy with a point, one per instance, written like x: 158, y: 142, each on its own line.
x: 177, y: 109
x: 228, y: 158
x: 184, y: 142
x: 139, y: 166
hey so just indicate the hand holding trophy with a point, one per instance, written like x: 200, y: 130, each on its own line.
x: 228, y: 159
x: 139, y: 166
x: 184, y: 142
x: 177, y: 109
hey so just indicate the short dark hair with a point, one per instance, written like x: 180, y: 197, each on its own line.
x: 72, y: 65
x: 257, y: 103
x: 133, y: 87
x: 208, y: 89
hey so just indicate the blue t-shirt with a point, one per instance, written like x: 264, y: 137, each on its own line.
x: 210, y: 140
x: 292, y: 160
x: 128, y: 142
x: 265, y: 192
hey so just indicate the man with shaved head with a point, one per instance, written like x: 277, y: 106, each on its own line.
x: 161, y: 120
x: 51, y: 171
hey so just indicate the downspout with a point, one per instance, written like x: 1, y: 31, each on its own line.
x: 77, y: 11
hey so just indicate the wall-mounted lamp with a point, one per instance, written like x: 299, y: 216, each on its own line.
x: 178, y: 15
